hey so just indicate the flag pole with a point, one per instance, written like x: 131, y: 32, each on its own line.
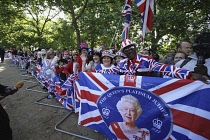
x: 115, y: 32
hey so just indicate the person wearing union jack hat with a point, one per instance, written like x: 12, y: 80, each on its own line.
x: 106, y: 66
x: 141, y: 65
x: 82, y: 59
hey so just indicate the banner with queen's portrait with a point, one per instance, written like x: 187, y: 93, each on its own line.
x: 135, y: 114
x: 142, y: 108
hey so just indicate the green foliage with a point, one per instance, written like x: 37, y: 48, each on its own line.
x: 33, y: 23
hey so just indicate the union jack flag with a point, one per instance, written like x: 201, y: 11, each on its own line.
x: 65, y: 92
x: 187, y: 99
x: 146, y: 8
x: 46, y: 73
x: 126, y: 12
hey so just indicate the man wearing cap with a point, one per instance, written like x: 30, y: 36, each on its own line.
x: 140, y: 65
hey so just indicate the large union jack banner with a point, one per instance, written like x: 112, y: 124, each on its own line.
x: 187, y: 100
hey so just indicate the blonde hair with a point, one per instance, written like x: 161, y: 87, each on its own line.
x: 39, y: 54
x: 49, y: 52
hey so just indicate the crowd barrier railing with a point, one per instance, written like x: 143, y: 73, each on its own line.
x: 64, y: 93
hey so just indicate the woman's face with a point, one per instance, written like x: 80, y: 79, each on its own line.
x: 75, y: 57
x: 145, y: 52
x: 118, y: 59
x: 61, y: 63
x: 83, y: 51
x: 128, y: 112
x: 96, y: 58
x: 51, y: 55
x: 178, y: 57
x: 66, y: 55
x: 106, y: 61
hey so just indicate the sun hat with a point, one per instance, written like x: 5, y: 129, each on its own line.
x: 107, y: 53
x: 126, y: 43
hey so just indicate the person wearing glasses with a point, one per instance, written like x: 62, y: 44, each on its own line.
x: 137, y: 64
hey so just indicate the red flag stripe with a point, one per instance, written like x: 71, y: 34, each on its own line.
x: 90, y: 74
x: 172, y: 86
x: 142, y: 7
x: 92, y: 119
x: 190, y: 122
x: 69, y: 106
x: 149, y: 19
x: 129, y: 2
x: 89, y: 96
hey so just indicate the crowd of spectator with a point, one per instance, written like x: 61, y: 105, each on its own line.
x: 126, y: 60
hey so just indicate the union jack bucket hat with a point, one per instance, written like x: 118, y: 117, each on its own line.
x: 107, y: 53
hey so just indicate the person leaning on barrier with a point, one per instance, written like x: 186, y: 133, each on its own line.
x: 69, y: 69
x: 59, y: 69
x: 106, y: 66
x: 191, y: 63
x: 5, y: 130
x: 136, y: 64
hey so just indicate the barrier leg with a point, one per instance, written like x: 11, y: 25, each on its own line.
x: 45, y: 104
x: 29, y: 80
x: 31, y: 89
x: 26, y: 74
x: 66, y: 132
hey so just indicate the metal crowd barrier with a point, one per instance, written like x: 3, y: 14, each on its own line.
x: 31, y: 73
